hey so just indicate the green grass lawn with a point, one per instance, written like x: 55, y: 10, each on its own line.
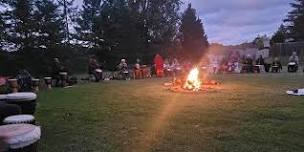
x: 249, y: 113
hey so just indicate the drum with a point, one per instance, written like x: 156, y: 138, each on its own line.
x: 63, y: 78
x: 137, y: 74
x: 20, y: 137
x: 2, y: 97
x: 13, y: 84
x: 292, y: 63
x: 275, y: 69
x: 146, y: 72
x: 19, y: 119
x: 259, y: 68
x: 98, y: 71
x: 63, y: 75
x: 35, y: 85
x: 27, y: 101
x: 48, y: 82
x: 292, y: 67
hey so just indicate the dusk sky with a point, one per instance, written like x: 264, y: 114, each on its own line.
x: 237, y: 21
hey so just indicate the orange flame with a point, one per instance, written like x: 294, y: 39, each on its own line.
x: 193, y: 82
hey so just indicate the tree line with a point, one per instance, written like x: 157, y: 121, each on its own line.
x: 35, y: 31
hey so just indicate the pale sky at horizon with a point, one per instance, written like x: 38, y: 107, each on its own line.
x: 236, y: 21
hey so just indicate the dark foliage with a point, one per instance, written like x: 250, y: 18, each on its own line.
x: 295, y: 21
x: 35, y: 31
x: 280, y: 36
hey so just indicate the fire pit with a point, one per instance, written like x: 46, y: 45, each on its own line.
x: 192, y: 83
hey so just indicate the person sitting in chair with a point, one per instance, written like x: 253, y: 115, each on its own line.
x: 123, y: 69
x: 260, y: 60
x: 56, y: 68
x: 95, y: 69
x: 260, y: 64
x: 248, y: 65
x: 224, y: 66
x: 276, y: 65
x: 293, y: 62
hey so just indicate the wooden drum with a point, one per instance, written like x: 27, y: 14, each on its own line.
x: 35, y: 85
x: 48, y: 82
x: 13, y: 84
x: 63, y: 78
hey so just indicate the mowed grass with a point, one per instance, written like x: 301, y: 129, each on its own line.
x: 249, y: 113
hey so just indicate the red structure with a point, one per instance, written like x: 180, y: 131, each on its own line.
x: 159, y: 65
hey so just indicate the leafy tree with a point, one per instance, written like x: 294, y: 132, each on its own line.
x: 295, y: 21
x: 279, y: 36
x: 193, y: 38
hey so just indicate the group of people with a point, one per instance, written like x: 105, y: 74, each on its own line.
x: 275, y: 66
x: 249, y: 65
x: 161, y: 67
x: 170, y: 66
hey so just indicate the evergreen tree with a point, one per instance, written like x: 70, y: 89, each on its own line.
x: 138, y: 29
x: 194, y: 40
x: 3, y: 34
x: 259, y: 41
x: 21, y: 24
x: 68, y: 14
x: 50, y: 26
x: 162, y: 20
x: 295, y: 21
x: 157, y: 22
x: 118, y: 30
x: 279, y: 36
x: 86, y: 21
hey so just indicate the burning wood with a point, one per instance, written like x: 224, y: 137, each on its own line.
x: 192, y: 83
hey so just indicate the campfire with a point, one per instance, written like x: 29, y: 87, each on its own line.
x: 192, y: 82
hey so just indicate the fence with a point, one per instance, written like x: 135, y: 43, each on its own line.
x: 284, y: 50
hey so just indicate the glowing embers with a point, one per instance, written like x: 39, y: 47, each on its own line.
x: 192, y: 82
